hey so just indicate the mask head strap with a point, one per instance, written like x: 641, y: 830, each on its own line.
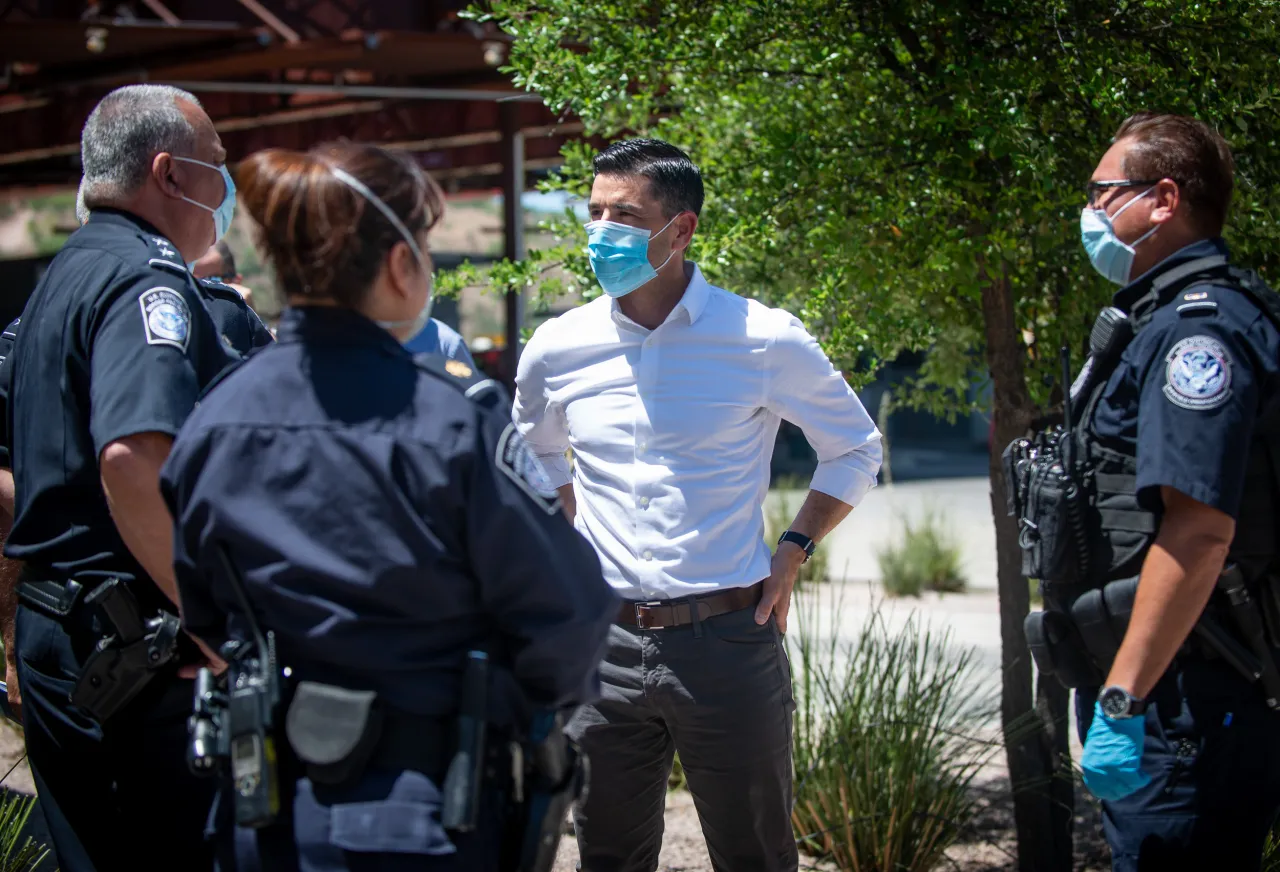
x: 363, y: 190
x: 360, y: 188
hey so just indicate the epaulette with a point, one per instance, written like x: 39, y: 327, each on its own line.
x: 476, y: 386
x: 163, y: 255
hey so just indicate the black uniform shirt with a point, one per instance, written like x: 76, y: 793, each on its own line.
x: 238, y: 324
x: 114, y: 342
x: 7, y: 337
x: 1187, y: 392
x: 385, y: 522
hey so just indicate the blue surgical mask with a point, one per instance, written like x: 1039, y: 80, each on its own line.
x: 224, y: 211
x: 1109, y: 256
x: 619, y: 256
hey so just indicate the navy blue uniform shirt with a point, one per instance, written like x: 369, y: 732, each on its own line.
x: 1187, y: 391
x: 238, y: 325
x: 7, y: 337
x: 386, y: 523
x: 115, y: 341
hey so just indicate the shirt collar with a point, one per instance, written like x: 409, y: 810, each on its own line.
x: 334, y: 325
x: 695, y: 296
x: 694, y: 300
x: 1130, y: 294
x: 121, y: 218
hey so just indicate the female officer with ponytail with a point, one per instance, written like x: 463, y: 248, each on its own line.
x: 385, y: 523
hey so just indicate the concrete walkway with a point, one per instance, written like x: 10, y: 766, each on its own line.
x: 963, y: 506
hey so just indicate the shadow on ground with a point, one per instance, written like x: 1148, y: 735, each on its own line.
x: 988, y: 845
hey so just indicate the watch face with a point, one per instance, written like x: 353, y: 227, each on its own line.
x: 1114, y: 702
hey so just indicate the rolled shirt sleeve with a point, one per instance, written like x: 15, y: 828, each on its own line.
x: 805, y: 389
x: 541, y: 422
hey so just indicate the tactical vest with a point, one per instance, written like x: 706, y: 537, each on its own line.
x: 1084, y: 535
x: 1081, y: 524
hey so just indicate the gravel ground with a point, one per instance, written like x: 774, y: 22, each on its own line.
x: 988, y: 847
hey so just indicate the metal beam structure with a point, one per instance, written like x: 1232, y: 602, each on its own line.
x: 284, y: 73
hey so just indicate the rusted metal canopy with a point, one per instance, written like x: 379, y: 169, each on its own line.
x: 270, y: 73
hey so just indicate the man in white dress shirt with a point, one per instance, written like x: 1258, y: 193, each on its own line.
x: 670, y: 392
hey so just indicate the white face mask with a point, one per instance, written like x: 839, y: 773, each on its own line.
x: 420, y: 320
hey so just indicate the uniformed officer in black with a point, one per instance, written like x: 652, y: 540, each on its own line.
x: 385, y: 515
x: 237, y: 324
x: 1180, y: 746
x: 114, y: 348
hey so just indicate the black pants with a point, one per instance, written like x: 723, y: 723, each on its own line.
x: 1212, y: 750
x: 117, y: 796
x: 719, y: 692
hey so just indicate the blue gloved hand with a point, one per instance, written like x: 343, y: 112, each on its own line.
x: 1112, y: 759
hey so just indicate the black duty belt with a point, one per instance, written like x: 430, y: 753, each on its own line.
x: 56, y: 599
x: 414, y: 742
x: 662, y: 614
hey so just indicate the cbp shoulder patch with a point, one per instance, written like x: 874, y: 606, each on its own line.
x: 1197, y: 373
x: 518, y: 462
x: 165, y: 317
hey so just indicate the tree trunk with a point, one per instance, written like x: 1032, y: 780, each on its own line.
x: 1035, y: 739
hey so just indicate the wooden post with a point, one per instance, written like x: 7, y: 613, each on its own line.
x: 512, y: 230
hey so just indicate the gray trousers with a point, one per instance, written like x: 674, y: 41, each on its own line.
x: 719, y: 692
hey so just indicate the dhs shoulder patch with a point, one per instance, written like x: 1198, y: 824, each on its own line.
x: 518, y: 462
x: 1197, y: 373
x: 165, y: 318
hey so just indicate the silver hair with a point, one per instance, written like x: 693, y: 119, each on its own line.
x: 125, y: 131
x: 82, y: 211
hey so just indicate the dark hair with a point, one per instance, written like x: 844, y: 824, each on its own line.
x: 228, y: 259
x: 323, y: 238
x: 675, y: 181
x: 1189, y: 152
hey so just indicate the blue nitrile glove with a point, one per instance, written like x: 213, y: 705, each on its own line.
x: 1112, y: 759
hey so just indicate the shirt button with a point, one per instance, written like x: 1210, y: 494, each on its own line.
x: 644, y: 502
x: 648, y: 555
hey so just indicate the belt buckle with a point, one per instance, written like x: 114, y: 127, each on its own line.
x: 641, y: 622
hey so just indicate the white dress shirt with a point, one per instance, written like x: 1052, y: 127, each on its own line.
x: 672, y: 432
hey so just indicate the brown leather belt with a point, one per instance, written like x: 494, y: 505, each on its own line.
x: 662, y: 614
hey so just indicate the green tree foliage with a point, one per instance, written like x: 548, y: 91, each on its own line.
x: 907, y: 175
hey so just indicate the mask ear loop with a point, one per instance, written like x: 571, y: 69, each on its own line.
x: 1111, y: 219
x: 659, y: 233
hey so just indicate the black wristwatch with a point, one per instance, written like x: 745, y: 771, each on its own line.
x: 1117, y: 703
x: 799, y: 539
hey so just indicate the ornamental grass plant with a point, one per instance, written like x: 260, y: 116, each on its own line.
x: 885, y: 741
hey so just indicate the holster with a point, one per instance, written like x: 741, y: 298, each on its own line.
x: 1058, y: 651
x: 123, y: 662
x: 1076, y: 640
x: 552, y: 777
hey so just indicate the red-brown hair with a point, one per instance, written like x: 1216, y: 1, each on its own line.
x: 323, y: 239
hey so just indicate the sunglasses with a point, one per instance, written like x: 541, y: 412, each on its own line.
x: 1093, y: 190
